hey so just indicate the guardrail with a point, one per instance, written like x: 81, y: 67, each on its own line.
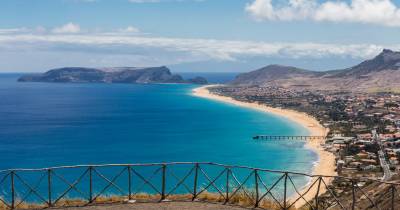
x: 190, y: 181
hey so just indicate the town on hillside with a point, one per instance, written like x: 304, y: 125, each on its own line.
x: 364, y: 124
x: 352, y: 119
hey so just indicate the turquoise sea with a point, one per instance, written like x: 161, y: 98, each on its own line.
x: 44, y: 124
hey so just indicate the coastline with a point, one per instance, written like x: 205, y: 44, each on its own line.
x: 326, y: 160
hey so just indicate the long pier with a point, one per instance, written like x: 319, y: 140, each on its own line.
x: 304, y: 138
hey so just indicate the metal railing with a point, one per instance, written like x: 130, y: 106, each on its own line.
x: 191, y: 181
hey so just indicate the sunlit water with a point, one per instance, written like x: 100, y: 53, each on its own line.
x: 45, y: 124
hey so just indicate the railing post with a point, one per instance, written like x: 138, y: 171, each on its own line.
x: 90, y: 184
x: 227, y: 185
x: 317, y: 194
x: 12, y: 190
x: 256, y: 186
x: 392, y: 196
x: 196, y: 174
x: 285, y: 192
x: 164, y: 167
x: 129, y: 183
x: 49, y: 187
x: 353, y: 191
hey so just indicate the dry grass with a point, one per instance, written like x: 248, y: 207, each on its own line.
x: 240, y: 199
x: 384, y: 90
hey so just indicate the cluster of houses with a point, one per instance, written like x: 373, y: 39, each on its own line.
x: 359, y: 155
x: 352, y: 154
x: 351, y: 114
x: 384, y: 107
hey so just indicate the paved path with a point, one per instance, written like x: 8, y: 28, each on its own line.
x: 387, y: 174
x: 159, y: 206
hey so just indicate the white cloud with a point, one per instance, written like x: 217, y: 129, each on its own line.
x: 69, y: 28
x: 192, y: 49
x: 49, y: 50
x: 12, y: 30
x: 129, y: 29
x: 378, y: 12
x: 294, y: 10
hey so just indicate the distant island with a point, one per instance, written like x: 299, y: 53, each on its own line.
x: 136, y: 75
x: 381, y: 73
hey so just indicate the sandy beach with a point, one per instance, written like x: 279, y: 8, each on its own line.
x: 326, y: 162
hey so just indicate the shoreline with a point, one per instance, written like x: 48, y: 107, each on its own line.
x: 326, y: 160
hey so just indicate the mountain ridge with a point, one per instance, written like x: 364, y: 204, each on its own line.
x: 382, y: 72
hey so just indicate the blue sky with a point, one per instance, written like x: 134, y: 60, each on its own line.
x: 194, y: 35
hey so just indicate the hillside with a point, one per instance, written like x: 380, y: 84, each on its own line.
x: 110, y: 75
x: 379, y: 73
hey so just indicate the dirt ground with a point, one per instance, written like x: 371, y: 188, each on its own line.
x: 159, y: 206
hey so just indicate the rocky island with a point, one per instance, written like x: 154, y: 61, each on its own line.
x: 111, y: 75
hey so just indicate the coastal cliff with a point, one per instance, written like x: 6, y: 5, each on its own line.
x: 111, y: 75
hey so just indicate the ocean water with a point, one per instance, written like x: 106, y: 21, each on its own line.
x: 46, y: 124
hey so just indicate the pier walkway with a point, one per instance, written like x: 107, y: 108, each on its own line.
x: 304, y: 138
